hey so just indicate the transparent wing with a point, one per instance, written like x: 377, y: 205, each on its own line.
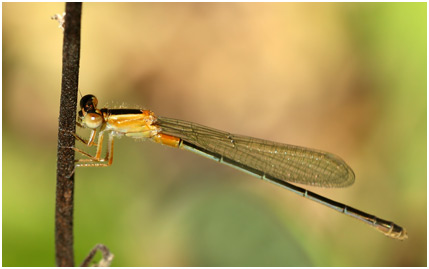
x: 285, y: 162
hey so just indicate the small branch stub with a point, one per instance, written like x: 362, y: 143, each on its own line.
x: 105, y: 261
x: 61, y: 19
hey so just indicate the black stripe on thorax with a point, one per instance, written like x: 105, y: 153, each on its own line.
x: 120, y: 111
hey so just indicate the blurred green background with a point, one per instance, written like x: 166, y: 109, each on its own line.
x: 346, y: 78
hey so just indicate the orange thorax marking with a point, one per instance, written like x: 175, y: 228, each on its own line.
x: 131, y: 121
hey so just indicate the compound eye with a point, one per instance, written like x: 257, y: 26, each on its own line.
x: 93, y: 120
x: 88, y: 102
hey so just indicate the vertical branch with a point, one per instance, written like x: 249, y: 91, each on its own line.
x: 67, y: 125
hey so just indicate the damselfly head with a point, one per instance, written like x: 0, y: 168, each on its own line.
x: 88, y: 103
x: 89, y: 115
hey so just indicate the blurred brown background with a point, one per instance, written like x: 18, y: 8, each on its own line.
x: 345, y: 78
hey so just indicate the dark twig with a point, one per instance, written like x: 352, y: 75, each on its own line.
x: 65, y: 155
x: 105, y: 252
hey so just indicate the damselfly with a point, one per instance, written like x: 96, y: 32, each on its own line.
x: 274, y: 162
